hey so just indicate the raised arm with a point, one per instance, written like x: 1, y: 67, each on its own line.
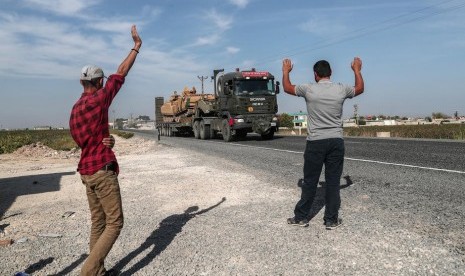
x: 288, y: 87
x: 359, y: 86
x: 127, y: 63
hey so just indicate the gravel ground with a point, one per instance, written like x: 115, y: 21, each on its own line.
x: 190, y: 214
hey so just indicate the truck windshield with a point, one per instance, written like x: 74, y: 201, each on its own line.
x: 254, y: 87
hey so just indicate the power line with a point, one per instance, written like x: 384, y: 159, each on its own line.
x: 375, y: 28
x: 376, y: 24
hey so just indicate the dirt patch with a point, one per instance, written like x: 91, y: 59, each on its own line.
x: 39, y: 150
x: 37, y: 156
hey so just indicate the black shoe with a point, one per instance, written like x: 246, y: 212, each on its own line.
x: 293, y: 221
x: 112, y: 272
x: 330, y: 225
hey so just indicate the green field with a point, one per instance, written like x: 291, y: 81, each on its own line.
x: 61, y: 139
x: 444, y: 131
x: 55, y: 139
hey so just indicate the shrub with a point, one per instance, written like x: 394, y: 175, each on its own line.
x: 55, y: 139
x: 122, y: 134
x: 444, y: 131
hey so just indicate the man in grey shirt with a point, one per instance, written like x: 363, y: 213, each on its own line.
x: 325, y: 144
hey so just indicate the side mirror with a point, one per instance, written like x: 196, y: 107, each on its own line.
x: 277, y: 87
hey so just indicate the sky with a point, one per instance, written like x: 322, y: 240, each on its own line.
x: 413, y: 51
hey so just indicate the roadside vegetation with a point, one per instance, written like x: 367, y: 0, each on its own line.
x: 55, y: 139
x: 61, y: 139
x: 442, y: 131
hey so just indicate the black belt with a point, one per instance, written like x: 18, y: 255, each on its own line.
x: 109, y: 167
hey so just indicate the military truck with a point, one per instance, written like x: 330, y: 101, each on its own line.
x: 243, y: 102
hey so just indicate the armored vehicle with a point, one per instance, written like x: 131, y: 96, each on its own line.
x: 243, y: 102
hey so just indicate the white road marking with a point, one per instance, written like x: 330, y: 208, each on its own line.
x: 360, y: 160
x: 247, y: 146
x: 404, y: 165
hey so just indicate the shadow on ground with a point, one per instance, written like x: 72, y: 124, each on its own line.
x: 12, y: 188
x: 319, y: 201
x: 161, y: 238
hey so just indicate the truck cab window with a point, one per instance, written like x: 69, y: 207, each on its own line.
x: 254, y: 87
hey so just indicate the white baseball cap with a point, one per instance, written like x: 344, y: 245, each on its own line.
x: 90, y: 72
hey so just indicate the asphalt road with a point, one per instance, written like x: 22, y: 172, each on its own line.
x: 438, y: 155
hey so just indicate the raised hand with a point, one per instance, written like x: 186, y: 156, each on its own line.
x: 135, y: 36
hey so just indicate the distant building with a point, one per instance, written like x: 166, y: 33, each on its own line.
x: 374, y: 123
x: 404, y: 122
x: 390, y: 122
x: 146, y: 125
x: 42, y: 128
x: 299, y: 119
x: 349, y: 123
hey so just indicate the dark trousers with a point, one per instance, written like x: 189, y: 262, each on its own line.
x: 329, y: 152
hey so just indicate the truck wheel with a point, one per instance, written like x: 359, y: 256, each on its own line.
x: 196, y: 128
x: 269, y: 135
x: 213, y: 133
x: 226, y: 131
x: 241, y: 134
x: 204, y: 131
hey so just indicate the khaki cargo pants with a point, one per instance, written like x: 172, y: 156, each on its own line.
x: 103, y: 194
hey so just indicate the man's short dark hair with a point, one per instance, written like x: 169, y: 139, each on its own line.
x: 322, y: 69
x: 90, y: 83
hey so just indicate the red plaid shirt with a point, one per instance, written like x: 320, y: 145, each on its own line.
x: 89, y: 125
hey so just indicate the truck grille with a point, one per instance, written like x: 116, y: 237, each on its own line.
x: 256, y: 105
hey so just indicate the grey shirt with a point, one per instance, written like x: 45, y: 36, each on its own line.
x: 324, y: 107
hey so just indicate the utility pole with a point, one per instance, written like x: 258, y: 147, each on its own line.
x: 202, y: 78
x: 356, y: 113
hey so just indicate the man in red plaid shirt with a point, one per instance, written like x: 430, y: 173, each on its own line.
x: 98, y: 166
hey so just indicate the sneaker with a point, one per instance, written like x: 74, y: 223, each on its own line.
x: 293, y: 221
x: 330, y: 225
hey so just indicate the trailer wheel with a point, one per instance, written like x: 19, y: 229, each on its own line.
x: 163, y: 129
x: 204, y: 131
x: 226, y: 131
x: 213, y: 133
x: 196, y: 128
x: 241, y: 134
x: 269, y: 135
